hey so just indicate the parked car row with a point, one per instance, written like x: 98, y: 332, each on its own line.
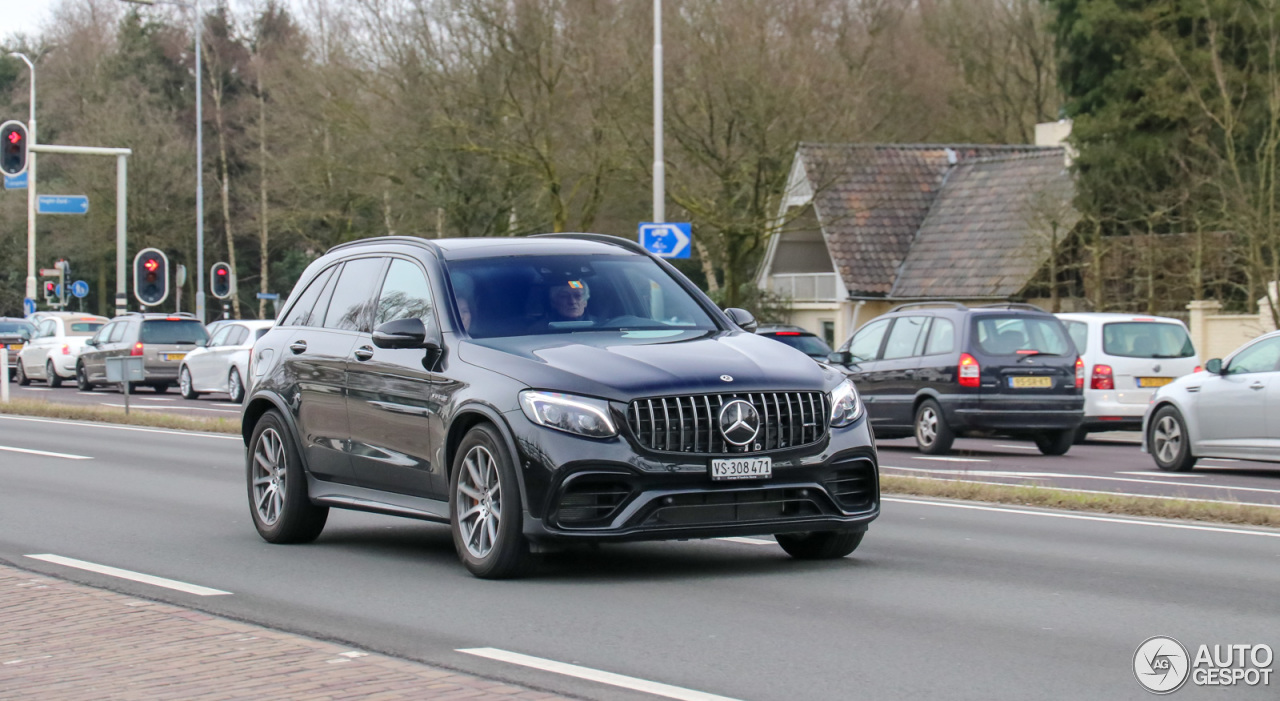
x: 177, y: 349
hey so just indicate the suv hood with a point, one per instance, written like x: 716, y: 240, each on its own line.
x: 626, y: 366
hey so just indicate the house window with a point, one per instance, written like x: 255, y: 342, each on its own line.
x: 829, y: 333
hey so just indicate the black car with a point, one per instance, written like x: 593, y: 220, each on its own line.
x: 942, y: 370
x: 796, y: 337
x: 544, y: 390
x: 14, y: 334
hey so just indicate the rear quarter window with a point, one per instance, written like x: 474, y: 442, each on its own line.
x: 166, y: 331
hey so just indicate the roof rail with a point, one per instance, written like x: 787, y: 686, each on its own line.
x: 415, y: 240
x: 910, y: 305
x: 1013, y: 305
x: 598, y: 238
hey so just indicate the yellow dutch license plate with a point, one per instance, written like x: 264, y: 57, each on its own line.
x: 15, y: 346
x: 1154, y: 381
x: 1031, y: 382
x: 174, y: 356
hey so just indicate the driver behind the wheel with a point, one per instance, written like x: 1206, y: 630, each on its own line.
x: 568, y: 301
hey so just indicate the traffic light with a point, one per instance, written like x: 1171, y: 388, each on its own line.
x: 151, y: 277
x: 50, y: 291
x: 13, y: 148
x: 220, y: 281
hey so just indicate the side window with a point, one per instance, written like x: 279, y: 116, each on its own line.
x: 904, y: 336
x: 237, y: 336
x: 302, y: 313
x: 219, y: 337
x: 48, y: 327
x: 103, y: 334
x: 865, y: 344
x: 1079, y: 332
x: 1260, y: 357
x: 117, y: 332
x: 352, y: 301
x: 942, y: 337
x: 405, y: 294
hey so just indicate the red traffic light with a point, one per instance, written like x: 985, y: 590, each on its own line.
x: 13, y: 148
x: 15, y: 137
x: 151, y: 264
x: 222, y: 272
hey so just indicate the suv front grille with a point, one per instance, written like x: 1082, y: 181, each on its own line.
x: 690, y: 424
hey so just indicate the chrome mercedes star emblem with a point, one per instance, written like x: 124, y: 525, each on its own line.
x: 739, y: 422
x: 727, y: 378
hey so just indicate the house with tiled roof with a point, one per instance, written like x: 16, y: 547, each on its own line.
x: 864, y: 227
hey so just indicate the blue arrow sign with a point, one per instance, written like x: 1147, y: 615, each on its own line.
x: 28, y: 306
x: 670, y: 240
x: 80, y: 289
x: 15, y: 182
x: 62, y: 204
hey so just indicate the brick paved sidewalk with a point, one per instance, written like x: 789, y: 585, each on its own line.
x: 60, y: 640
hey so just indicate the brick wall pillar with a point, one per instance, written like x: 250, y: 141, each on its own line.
x: 1200, y: 309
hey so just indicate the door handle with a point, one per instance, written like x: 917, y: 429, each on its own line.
x: 1257, y: 385
x: 363, y: 353
x: 298, y: 347
x: 910, y: 373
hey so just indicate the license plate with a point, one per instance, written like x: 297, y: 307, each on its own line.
x: 741, y: 468
x: 15, y: 346
x: 174, y: 356
x: 1031, y: 382
x: 1154, y: 381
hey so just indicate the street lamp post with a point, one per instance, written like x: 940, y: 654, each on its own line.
x: 199, y: 34
x: 31, y: 181
x: 659, y: 161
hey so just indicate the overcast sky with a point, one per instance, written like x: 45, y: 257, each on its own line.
x: 24, y: 16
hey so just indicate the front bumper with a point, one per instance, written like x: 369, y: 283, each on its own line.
x: 581, y: 489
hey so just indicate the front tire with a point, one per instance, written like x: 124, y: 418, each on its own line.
x: 235, y: 387
x: 1056, y: 442
x: 933, y: 435
x: 1168, y: 441
x: 82, y: 379
x: 51, y: 376
x: 160, y: 389
x: 278, y: 501
x: 484, y: 500
x: 21, y: 375
x: 185, y: 385
x: 823, y: 545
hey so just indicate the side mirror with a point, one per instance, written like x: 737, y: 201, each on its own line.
x: 840, y: 358
x: 404, y: 333
x: 1214, y: 366
x: 91, y: 342
x: 742, y: 318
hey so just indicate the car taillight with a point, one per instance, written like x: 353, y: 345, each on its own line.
x: 1198, y: 368
x: 66, y: 350
x: 1079, y: 373
x: 970, y: 371
x: 137, y: 349
x: 1102, y: 378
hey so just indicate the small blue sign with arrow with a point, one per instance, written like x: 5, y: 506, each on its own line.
x: 15, y: 182
x: 670, y: 240
x: 28, y: 306
x: 80, y: 289
x: 62, y: 204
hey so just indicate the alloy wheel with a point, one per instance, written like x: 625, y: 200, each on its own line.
x: 479, y: 501
x: 269, y: 476
x: 927, y: 426
x: 1167, y: 439
x: 234, y: 386
x: 184, y: 382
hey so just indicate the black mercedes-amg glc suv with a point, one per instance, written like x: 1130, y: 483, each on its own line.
x: 541, y: 390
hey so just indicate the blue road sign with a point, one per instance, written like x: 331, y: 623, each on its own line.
x: 670, y: 240
x: 15, y: 182
x: 28, y: 306
x: 57, y: 291
x: 268, y: 295
x: 80, y: 289
x: 62, y: 204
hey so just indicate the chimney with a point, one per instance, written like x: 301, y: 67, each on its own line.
x: 1056, y: 134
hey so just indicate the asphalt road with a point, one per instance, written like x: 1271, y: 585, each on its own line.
x: 943, y: 600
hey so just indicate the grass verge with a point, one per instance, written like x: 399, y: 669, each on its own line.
x: 105, y: 414
x: 1050, y: 498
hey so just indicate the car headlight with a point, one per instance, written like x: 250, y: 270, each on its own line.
x: 846, y: 407
x: 569, y: 413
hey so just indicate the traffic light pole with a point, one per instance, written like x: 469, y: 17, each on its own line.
x: 31, y: 180
x: 122, y: 208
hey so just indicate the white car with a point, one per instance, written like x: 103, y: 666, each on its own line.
x: 221, y: 365
x: 1227, y: 411
x: 51, y: 353
x: 1127, y: 357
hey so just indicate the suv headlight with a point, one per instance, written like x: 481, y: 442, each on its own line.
x: 846, y: 407
x: 569, y: 413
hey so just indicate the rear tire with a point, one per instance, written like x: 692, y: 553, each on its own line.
x: 21, y: 375
x: 278, y: 501
x: 160, y: 389
x: 235, y: 386
x: 484, y: 500
x: 933, y: 435
x: 1081, y: 436
x: 51, y: 376
x: 1168, y: 442
x: 823, y: 545
x: 1056, y: 442
x: 82, y: 379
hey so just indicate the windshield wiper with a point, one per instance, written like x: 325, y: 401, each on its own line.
x: 1031, y: 354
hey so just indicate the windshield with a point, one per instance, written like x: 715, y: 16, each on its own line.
x: 16, y: 328
x: 805, y: 343
x: 1024, y: 335
x: 535, y: 295
x: 177, y: 331
x: 1146, y: 339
